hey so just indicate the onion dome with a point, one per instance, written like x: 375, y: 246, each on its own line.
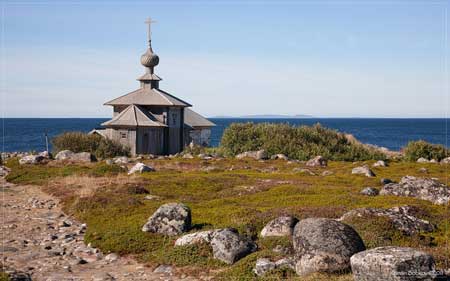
x: 149, y: 59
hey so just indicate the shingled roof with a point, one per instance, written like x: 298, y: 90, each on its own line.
x: 193, y: 119
x: 134, y: 116
x: 147, y: 96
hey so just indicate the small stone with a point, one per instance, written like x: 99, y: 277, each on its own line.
x: 317, y: 161
x: 380, y: 163
x: 281, y: 226
x: 279, y: 156
x: 163, y: 268
x: 263, y: 265
x: 422, y: 160
x: 140, y: 168
x: 364, y: 170
x: 386, y: 181
x: 194, y: 238
x: 370, y: 191
x: 111, y: 257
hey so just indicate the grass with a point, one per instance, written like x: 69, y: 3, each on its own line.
x: 245, y: 197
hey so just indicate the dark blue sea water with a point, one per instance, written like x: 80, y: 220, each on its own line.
x: 27, y: 134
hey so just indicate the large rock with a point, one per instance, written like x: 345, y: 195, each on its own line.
x: 170, y: 219
x: 197, y: 237
x: 392, y: 264
x: 140, y: 168
x: 317, y: 161
x: 363, y: 170
x: 324, y: 245
x: 401, y: 217
x: 422, y: 188
x: 228, y: 246
x: 31, y: 159
x: 281, y: 226
x: 77, y: 157
x: 258, y: 155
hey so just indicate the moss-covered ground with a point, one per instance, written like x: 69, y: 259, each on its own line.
x: 244, y: 194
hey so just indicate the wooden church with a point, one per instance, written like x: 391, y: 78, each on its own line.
x: 149, y: 120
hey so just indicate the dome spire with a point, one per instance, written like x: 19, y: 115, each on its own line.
x: 149, y: 59
x: 149, y: 22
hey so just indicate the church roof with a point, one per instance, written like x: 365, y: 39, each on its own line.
x: 149, y: 77
x: 193, y: 119
x: 147, y: 96
x: 134, y: 116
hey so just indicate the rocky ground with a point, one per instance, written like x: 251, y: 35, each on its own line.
x: 39, y: 242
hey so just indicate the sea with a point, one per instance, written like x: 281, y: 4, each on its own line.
x: 28, y: 134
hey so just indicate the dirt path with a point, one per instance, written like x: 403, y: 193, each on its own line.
x: 38, y: 240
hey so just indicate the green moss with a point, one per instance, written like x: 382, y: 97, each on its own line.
x: 4, y: 276
x: 245, y: 198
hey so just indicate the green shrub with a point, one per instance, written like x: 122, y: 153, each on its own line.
x: 95, y: 144
x: 417, y: 149
x: 300, y: 143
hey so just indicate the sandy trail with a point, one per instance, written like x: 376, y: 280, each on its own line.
x: 38, y: 240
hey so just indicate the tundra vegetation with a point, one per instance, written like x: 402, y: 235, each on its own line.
x: 241, y: 193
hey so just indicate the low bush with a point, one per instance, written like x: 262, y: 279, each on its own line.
x: 300, y: 143
x: 417, y: 149
x: 95, y: 144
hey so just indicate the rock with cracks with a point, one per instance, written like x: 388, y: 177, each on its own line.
x: 401, y: 217
x: 324, y: 245
x: 196, y: 237
x: 392, y: 264
x: 281, y: 226
x: 422, y: 188
x: 170, y: 219
x: 229, y: 247
x: 31, y: 159
x: 370, y: 191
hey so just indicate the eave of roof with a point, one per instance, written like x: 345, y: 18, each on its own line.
x: 195, y: 120
x: 148, y: 97
x: 134, y: 116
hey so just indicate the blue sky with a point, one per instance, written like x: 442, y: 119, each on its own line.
x: 323, y: 58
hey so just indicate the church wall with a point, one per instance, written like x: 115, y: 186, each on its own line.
x: 175, y: 132
x: 117, y: 109
x: 125, y: 137
x: 150, y: 141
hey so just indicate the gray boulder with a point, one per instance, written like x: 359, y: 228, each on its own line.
x: 4, y: 171
x: 392, y: 264
x: 317, y: 161
x: 401, y: 217
x: 423, y: 188
x: 31, y: 159
x: 363, y: 170
x: 445, y: 160
x: 281, y: 226
x: 197, y: 237
x: 324, y: 245
x: 71, y: 156
x: 45, y: 154
x: 370, y: 191
x: 264, y: 265
x: 380, y: 163
x: 170, y: 219
x: 228, y: 246
x: 279, y: 156
x: 423, y: 160
x: 140, y: 168
x: 120, y: 160
x: 258, y: 155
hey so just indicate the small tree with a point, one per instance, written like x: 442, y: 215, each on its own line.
x: 417, y: 149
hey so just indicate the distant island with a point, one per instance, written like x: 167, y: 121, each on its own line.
x: 267, y: 116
